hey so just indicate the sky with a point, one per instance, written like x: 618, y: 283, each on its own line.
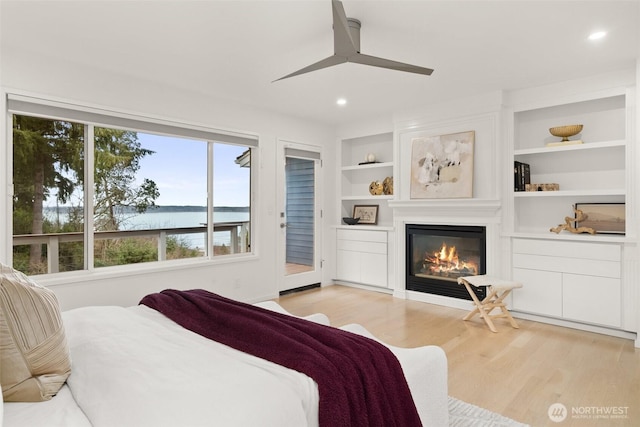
x: 179, y: 168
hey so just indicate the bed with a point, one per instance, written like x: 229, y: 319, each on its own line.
x: 136, y: 367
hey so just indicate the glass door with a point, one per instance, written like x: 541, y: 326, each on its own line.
x: 299, y: 216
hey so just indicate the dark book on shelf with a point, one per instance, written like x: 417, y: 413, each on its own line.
x: 526, y: 175
x: 516, y: 176
x: 521, y: 176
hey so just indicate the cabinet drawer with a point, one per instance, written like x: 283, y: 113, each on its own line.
x: 568, y: 265
x: 360, y: 246
x: 594, y: 251
x: 362, y: 235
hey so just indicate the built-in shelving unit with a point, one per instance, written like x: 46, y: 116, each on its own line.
x: 591, y: 172
x: 355, y: 177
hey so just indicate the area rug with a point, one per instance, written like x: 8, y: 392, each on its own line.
x: 462, y: 414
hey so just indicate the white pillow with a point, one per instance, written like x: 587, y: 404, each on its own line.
x: 35, y: 356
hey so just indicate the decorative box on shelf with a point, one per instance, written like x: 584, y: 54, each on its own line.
x: 542, y: 187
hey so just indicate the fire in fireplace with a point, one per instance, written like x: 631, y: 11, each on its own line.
x: 438, y: 254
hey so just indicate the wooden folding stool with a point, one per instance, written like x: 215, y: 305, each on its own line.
x: 497, y: 290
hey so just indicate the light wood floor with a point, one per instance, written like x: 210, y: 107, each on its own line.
x: 516, y: 372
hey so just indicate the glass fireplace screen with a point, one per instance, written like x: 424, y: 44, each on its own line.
x: 437, y: 255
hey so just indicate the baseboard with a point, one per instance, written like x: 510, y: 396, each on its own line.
x: 362, y: 286
x: 300, y: 289
x: 576, y: 325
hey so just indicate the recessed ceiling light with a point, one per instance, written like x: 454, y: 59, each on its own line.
x: 341, y: 101
x: 597, y: 35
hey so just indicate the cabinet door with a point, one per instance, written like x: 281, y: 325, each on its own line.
x: 373, y: 269
x: 348, y: 265
x: 541, y: 292
x: 591, y: 299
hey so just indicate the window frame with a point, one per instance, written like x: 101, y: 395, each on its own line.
x: 101, y: 117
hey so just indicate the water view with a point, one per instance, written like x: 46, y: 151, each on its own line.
x: 174, y: 217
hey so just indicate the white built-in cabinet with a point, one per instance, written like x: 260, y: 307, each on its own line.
x: 577, y: 281
x: 362, y: 256
x: 362, y: 250
x: 572, y: 277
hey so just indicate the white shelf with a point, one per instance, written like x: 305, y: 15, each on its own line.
x: 571, y: 193
x: 365, y: 227
x: 367, y: 197
x: 576, y: 147
x: 563, y: 235
x: 368, y: 166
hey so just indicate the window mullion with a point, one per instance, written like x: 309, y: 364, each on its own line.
x: 6, y: 252
x: 89, y: 175
x: 210, y: 223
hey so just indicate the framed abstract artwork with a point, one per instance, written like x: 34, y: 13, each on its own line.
x: 604, y: 218
x: 442, y: 166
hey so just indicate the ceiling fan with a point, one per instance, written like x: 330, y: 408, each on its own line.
x: 346, y: 48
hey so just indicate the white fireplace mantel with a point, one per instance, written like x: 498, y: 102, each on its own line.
x: 484, y: 208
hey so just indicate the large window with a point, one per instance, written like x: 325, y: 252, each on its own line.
x: 151, y: 195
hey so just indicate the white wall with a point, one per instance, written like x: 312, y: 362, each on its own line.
x: 249, y: 280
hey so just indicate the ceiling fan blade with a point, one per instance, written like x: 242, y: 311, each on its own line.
x: 387, y: 63
x: 343, y: 44
x: 327, y: 62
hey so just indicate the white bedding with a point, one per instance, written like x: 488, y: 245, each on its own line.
x: 113, y: 348
x: 135, y: 367
x: 61, y: 411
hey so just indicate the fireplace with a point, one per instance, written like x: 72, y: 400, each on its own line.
x: 437, y: 255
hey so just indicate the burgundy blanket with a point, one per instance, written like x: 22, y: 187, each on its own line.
x: 359, y: 380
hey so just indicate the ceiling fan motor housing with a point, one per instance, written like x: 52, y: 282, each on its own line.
x: 354, y: 30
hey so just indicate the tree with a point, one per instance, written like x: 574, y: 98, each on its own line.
x: 117, y: 160
x: 47, y: 154
x: 49, y: 161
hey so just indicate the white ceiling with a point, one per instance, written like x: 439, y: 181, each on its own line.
x: 235, y: 49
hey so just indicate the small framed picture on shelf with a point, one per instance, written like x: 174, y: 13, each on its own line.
x: 368, y: 214
x: 604, y: 218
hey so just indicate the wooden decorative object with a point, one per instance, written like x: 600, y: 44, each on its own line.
x: 568, y: 225
x: 375, y: 188
x: 387, y: 185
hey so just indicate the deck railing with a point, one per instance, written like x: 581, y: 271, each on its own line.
x: 238, y: 241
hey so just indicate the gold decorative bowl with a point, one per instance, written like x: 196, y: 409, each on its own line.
x: 565, y: 132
